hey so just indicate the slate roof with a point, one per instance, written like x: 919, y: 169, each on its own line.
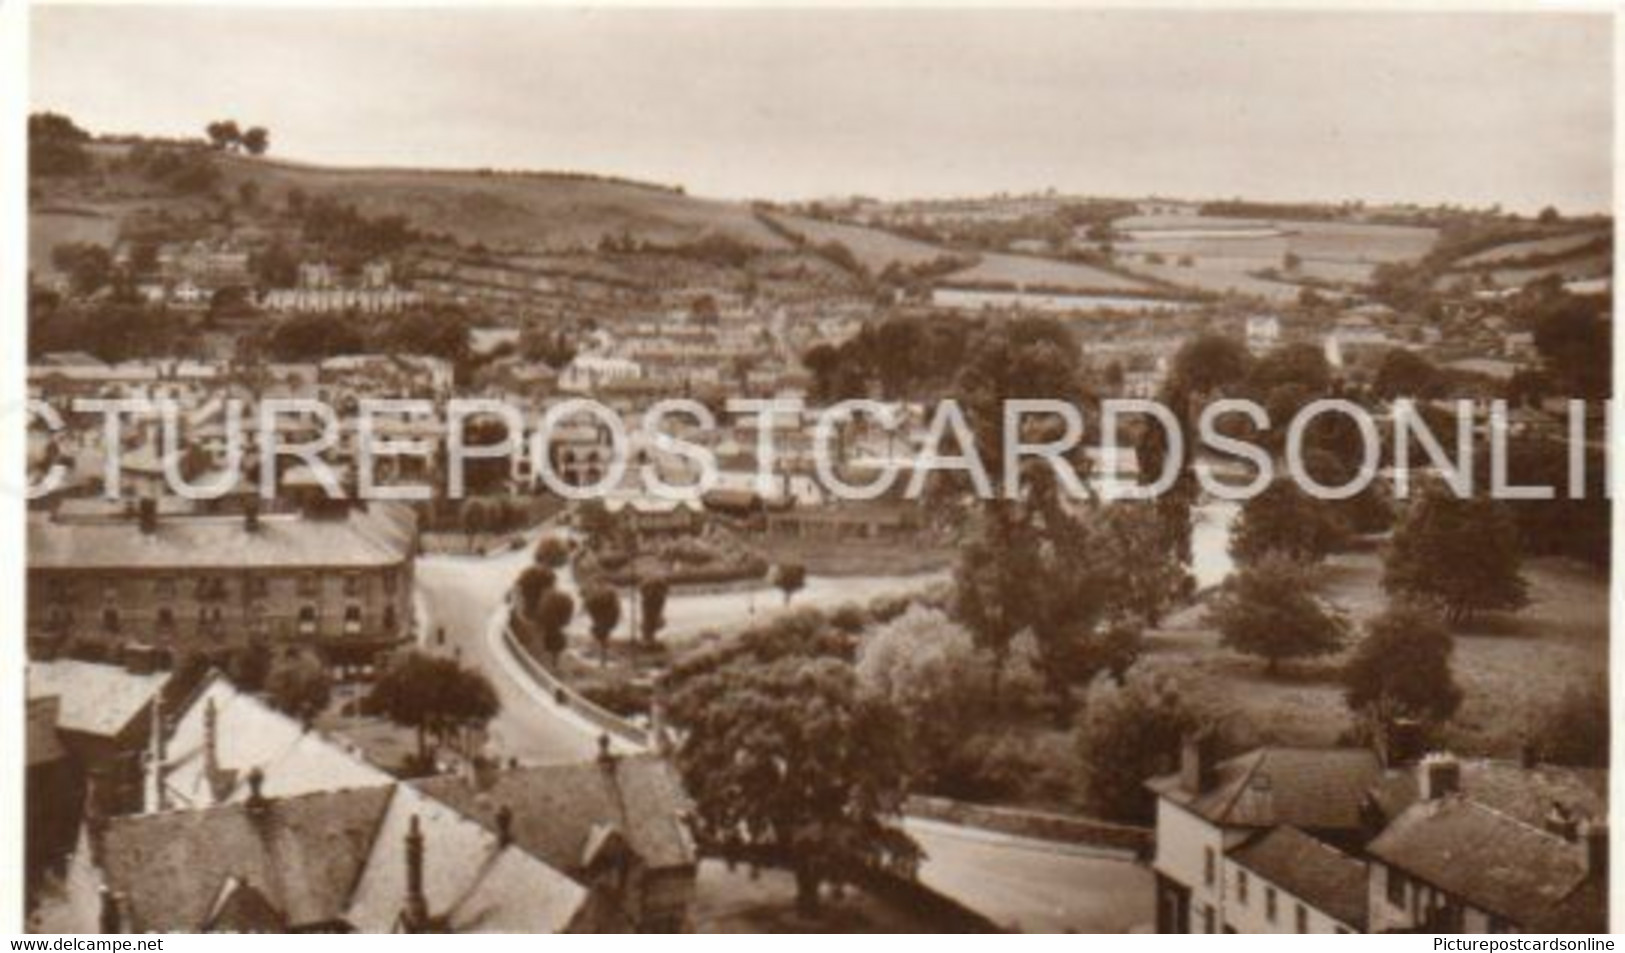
x: 1320, y: 874
x: 97, y: 699
x: 1488, y: 859
x: 44, y: 747
x: 1523, y: 793
x: 251, y: 734
x: 302, y: 854
x: 1314, y: 789
x: 471, y: 882
x: 381, y: 535
x: 556, y: 808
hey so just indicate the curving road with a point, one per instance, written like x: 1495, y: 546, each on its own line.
x: 1023, y: 884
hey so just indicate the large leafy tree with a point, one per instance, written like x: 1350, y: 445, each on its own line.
x: 788, y: 759
x: 604, y: 609
x: 1461, y: 554
x: 1269, y: 610
x: 1286, y: 521
x: 300, y: 686
x: 1401, y: 669
x: 554, y: 610
x: 652, y: 605
x: 1128, y: 734
x: 433, y: 695
x: 930, y: 670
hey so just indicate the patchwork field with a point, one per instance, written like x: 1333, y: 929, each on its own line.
x: 1030, y: 272
x: 1554, y: 245
x: 875, y: 248
x: 48, y: 229
x: 1509, y: 666
x: 1224, y: 252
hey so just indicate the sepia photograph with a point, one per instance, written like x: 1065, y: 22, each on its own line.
x: 540, y: 469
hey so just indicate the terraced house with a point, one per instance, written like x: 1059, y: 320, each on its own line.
x: 1297, y: 840
x: 337, y: 579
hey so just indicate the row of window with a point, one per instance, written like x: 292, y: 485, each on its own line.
x: 212, y: 620
x: 1272, y: 901
x: 213, y: 588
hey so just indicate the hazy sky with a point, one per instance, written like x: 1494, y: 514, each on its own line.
x: 1477, y: 108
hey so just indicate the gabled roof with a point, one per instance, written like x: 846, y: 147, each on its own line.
x: 1314, y: 789
x: 381, y: 535
x: 471, y: 882
x: 557, y: 808
x: 1484, y: 857
x: 301, y: 854
x: 251, y: 734
x: 1524, y: 793
x: 1312, y: 870
x: 97, y: 699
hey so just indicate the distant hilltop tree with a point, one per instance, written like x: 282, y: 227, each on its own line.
x: 56, y: 145
x: 225, y: 135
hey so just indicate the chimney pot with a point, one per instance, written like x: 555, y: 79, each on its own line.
x: 1197, y: 769
x: 1439, y: 775
x: 111, y: 918
x: 1561, y: 823
x: 1595, y: 834
x: 504, y: 825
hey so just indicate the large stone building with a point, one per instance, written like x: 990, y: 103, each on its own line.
x: 338, y: 580
x: 1291, y: 840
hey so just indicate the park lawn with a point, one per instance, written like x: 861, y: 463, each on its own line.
x: 847, y: 557
x: 1509, y: 666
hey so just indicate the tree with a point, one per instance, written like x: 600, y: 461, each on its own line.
x: 274, y: 266
x: 552, y: 552
x: 223, y: 134
x: 554, y: 611
x: 256, y: 140
x: 1401, y: 669
x: 1404, y: 373
x: 251, y: 665
x: 1574, y: 338
x: 1128, y: 734
x: 928, y: 668
x: 56, y: 146
x: 534, y: 582
x: 1284, y: 520
x: 790, y: 578
x: 433, y: 695
x: 1461, y: 554
x: 1549, y: 216
x: 1269, y: 610
x: 788, y: 759
x: 89, y: 266
x: 1207, y: 364
x: 604, y: 608
x: 299, y: 686
x: 600, y: 527
x: 1574, y: 730
x: 1148, y: 576
x: 652, y: 594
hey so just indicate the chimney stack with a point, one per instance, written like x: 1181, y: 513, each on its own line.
x: 1595, y: 835
x: 211, y: 731
x: 111, y: 920
x: 504, y: 825
x: 1438, y: 776
x: 1197, y: 768
x: 159, y: 755
x: 1561, y: 823
x: 257, y: 803
x: 147, y: 515
x: 416, y: 915
x: 1403, y: 742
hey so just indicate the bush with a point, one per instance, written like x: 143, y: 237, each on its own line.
x: 626, y: 699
